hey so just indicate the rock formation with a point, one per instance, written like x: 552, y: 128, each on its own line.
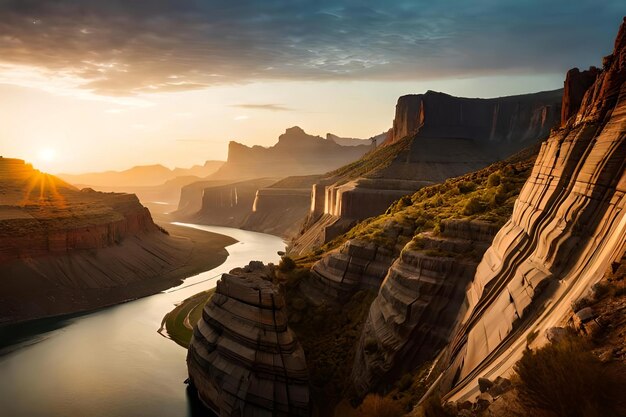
x: 357, y: 264
x: 502, y: 120
x: 296, y: 153
x: 243, y: 358
x: 568, y: 226
x: 229, y: 197
x: 417, y: 307
x: 374, y: 141
x: 435, y: 136
x: 281, y: 208
x: 575, y: 86
x: 230, y: 204
x: 58, y: 243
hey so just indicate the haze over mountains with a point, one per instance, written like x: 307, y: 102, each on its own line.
x: 141, y: 176
x: 295, y: 153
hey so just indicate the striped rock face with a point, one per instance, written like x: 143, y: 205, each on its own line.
x: 567, y: 227
x: 243, y: 359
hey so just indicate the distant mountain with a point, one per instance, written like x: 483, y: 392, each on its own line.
x: 296, y: 153
x: 141, y: 176
x: 374, y: 140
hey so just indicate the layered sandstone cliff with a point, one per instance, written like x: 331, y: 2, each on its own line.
x: 502, y: 120
x: 239, y: 194
x: 568, y: 226
x: 229, y: 204
x: 435, y: 137
x: 417, y: 307
x: 281, y: 208
x: 64, y: 250
x: 243, y: 359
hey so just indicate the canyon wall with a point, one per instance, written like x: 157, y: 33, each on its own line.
x: 24, y: 237
x: 227, y: 205
x: 63, y: 250
x: 435, y: 136
x: 278, y: 211
x: 419, y: 300
x: 517, y: 119
x: 567, y: 227
x: 227, y: 198
x: 243, y: 358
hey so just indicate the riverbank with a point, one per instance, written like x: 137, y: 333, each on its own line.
x: 177, y: 325
x: 88, y: 280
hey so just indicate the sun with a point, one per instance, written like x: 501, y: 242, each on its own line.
x: 47, y: 154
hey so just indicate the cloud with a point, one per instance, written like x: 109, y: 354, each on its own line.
x: 270, y: 107
x: 120, y: 48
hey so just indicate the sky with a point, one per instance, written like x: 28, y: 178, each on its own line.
x: 94, y: 85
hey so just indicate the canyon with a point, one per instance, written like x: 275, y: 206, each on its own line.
x: 267, y: 189
x: 435, y: 136
x: 472, y: 272
x: 64, y: 250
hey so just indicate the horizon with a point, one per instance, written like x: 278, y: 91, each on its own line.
x: 109, y: 103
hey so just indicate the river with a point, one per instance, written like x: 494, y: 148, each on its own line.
x: 112, y: 362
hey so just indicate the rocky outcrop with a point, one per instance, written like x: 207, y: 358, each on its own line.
x: 357, y: 264
x: 435, y: 137
x: 575, y: 86
x: 228, y: 205
x: 243, y: 358
x: 296, y: 153
x: 190, y: 201
x: 500, y: 120
x: 43, y: 216
x: 281, y: 208
x: 568, y: 226
x: 366, y: 197
x: 64, y: 250
x: 419, y: 301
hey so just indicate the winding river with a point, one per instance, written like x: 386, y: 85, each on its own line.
x: 112, y: 362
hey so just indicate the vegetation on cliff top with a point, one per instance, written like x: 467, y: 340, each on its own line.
x: 376, y: 160
x: 328, y: 334
x: 488, y: 195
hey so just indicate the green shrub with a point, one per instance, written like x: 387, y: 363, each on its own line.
x: 530, y: 337
x: 466, y: 187
x: 473, y: 206
x: 567, y: 380
x: 493, y: 180
x: 619, y: 291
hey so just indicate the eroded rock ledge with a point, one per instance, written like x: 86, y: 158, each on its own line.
x: 243, y: 358
x: 419, y: 301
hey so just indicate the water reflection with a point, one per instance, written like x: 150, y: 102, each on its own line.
x: 111, y: 362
